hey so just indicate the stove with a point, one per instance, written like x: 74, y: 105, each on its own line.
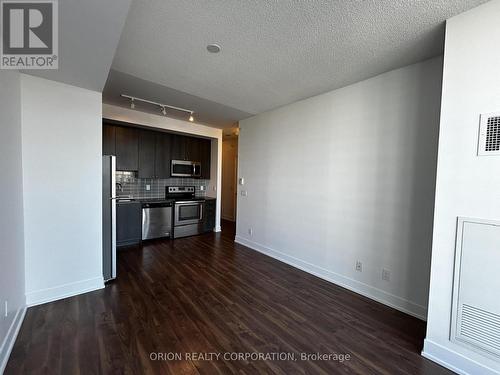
x: 188, y: 210
x: 180, y: 192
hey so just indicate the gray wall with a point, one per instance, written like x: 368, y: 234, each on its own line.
x: 349, y: 175
x: 11, y: 210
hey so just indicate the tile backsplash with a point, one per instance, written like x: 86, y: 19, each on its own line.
x: 136, y: 187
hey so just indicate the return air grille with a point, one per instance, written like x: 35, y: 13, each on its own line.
x: 489, y: 134
x: 480, y: 327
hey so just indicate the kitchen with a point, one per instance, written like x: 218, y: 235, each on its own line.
x: 156, y: 186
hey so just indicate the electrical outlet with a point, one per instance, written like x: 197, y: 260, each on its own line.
x: 244, y: 193
x: 148, y: 187
x: 6, y: 309
x: 359, y: 266
x: 250, y: 231
x: 386, y: 275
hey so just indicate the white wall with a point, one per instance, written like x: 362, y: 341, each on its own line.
x: 11, y: 213
x: 467, y: 185
x: 346, y: 176
x: 62, y: 147
x: 179, y: 126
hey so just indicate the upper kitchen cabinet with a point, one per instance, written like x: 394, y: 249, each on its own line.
x: 108, y: 139
x: 147, y: 154
x: 179, y: 147
x: 127, y: 148
x: 194, y: 149
x: 206, y: 154
x: 150, y: 152
x: 154, y: 154
x: 162, y: 155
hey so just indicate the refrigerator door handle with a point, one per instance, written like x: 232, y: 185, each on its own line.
x: 113, y: 217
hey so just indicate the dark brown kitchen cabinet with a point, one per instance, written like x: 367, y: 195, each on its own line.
x: 147, y: 154
x: 206, y: 155
x: 194, y: 149
x: 128, y: 223
x: 162, y: 155
x: 127, y: 148
x: 179, y: 147
x: 108, y: 139
x: 150, y: 152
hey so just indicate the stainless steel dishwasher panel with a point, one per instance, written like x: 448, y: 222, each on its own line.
x: 156, y: 222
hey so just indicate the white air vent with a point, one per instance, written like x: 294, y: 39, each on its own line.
x: 489, y: 134
x: 476, y: 306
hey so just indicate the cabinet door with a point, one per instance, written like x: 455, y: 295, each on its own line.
x: 147, y: 153
x: 162, y: 158
x: 128, y: 223
x: 179, y: 143
x: 127, y: 149
x: 194, y: 149
x: 108, y: 139
x: 209, y: 219
x: 206, y: 155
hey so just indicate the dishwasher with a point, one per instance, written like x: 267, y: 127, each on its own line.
x: 157, y: 219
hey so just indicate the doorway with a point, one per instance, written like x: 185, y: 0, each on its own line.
x: 229, y: 173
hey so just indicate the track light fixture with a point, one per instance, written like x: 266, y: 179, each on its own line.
x: 163, y: 107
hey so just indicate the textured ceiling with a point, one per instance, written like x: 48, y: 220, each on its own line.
x: 277, y: 52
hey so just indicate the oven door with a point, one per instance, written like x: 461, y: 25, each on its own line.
x: 188, y: 213
x: 182, y: 168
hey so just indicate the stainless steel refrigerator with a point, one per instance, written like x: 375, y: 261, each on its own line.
x: 108, y: 217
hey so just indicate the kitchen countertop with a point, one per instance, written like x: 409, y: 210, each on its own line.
x: 149, y: 200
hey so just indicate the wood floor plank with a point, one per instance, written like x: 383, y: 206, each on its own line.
x: 206, y: 294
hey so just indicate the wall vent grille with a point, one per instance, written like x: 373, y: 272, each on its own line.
x: 480, y: 327
x: 489, y: 134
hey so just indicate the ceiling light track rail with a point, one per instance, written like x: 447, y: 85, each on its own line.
x: 162, y: 106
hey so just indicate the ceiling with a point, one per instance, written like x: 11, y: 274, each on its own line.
x: 88, y: 36
x: 273, y: 52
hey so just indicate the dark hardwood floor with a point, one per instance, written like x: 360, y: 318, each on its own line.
x: 206, y: 294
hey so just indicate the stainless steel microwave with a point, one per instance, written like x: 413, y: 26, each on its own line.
x: 185, y: 168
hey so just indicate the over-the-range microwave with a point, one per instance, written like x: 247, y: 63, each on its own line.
x: 185, y: 168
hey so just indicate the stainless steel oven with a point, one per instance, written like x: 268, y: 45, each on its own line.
x: 188, y: 212
x: 185, y: 168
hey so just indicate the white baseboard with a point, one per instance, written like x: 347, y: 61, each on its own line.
x: 217, y: 228
x: 366, y: 290
x: 63, y: 291
x: 454, y: 361
x: 10, y: 338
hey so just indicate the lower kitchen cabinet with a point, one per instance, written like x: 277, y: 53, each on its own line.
x: 209, y: 221
x: 128, y: 223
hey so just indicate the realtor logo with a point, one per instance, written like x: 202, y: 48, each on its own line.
x: 29, y: 34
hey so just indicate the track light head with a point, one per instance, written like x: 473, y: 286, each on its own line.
x: 132, y: 104
x: 191, y: 118
x: 163, y: 111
